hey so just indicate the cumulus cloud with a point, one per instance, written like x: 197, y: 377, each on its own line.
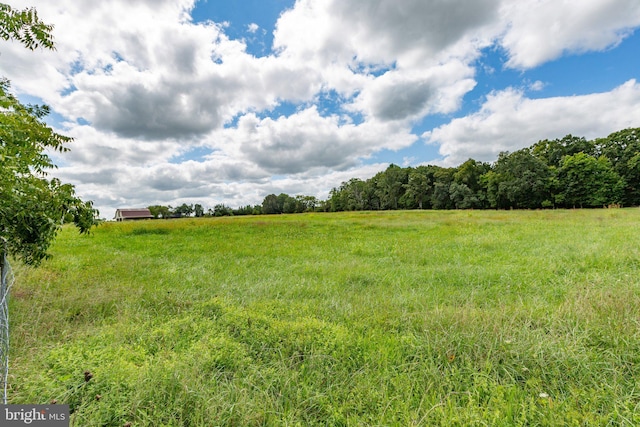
x: 378, y: 31
x: 538, y: 31
x: 138, y: 84
x: 407, y: 94
x: 508, y: 121
x: 307, y: 141
x: 253, y: 28
x: 537, y: 86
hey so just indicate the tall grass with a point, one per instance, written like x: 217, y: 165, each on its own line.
x: 387, y: 318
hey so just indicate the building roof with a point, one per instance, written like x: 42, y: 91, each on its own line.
x: 134, y: 213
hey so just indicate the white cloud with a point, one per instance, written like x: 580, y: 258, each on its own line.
x: 152, y: 85
x: 538, y: 31
x: 378, y: 31
x: 537, y: 86
x: 253, y: 28
x: 307, y: 141
x: 407, y: 94
x: 509, y: 121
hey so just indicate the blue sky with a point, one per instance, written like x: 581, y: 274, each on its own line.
x: 173, y: 101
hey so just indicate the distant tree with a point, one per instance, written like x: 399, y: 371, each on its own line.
x: 353, y: 195
x: 286, y: 203
x: 622, y: 148
x: 417, y: 186
x: 183, y: 210
x: 159, y: 211
x: 440, y: 197
x: 305, y: 203
x: 335, y: 202
x: 243, y: 210
x: 470, y: 175
x: 518, y: 180
x: 198, y: 210
x: 553, y: 151
x: 270, y: 205
x: 222, y: 210
x: 589, y: 182
x: 462, y: 196
x: 390, y: 186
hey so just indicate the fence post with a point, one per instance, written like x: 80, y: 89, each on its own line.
x: 5, y: 284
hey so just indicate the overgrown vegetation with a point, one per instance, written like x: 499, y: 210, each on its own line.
x: 369, y: 318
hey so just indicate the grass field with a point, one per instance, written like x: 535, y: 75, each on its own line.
x: 494, y: 318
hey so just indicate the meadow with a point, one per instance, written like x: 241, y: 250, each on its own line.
x: 417, y: 318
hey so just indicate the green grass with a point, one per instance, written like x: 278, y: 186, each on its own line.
x: 494, y: 318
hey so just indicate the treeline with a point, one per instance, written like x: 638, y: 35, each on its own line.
x: 571, y: 172
x: 272, y: 204
x: 197, y: 210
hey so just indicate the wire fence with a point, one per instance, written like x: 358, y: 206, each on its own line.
x: 6, y: 280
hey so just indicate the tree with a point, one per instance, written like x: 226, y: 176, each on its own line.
x: 552, y: 152
x: 159, y: 211
x: 518, y: 180
x: 25, y: 27
x: 32, y: 206
x: 306, y: 203
x: 589, y: 182
x: 222, y: 210
x: 390, y: 186
x: 622, y: 148
x: 286, y: 203
x: 440, y: 197
x: 270, y: 205
x: 198, y: 210
x: 417, y: 186
x: 462, y: 196
x: 351, y: 196
x: 183, y: 210
x: 469, y: 175
x: 244, y: 210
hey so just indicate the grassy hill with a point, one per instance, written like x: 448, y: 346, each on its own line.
x: 387, y: 318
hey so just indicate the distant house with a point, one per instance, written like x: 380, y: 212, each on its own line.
x: 132, y: 214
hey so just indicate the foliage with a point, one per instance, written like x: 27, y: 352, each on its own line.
x: 222, y: 210
x: 567, y: 172
x: 623, y: 150
x: 377, y: 318
x: 32, y: 207
x: 589, y: 182
x: 519, y: 180
x: 183, y: 210
x: 284, y: 203
x: 417, y: 186
x: 552, y: 152
x: 25, y: 27
x: 160, y: 211
x: 198, y: 210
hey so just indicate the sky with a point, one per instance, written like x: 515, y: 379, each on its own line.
x: 227, y: 101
